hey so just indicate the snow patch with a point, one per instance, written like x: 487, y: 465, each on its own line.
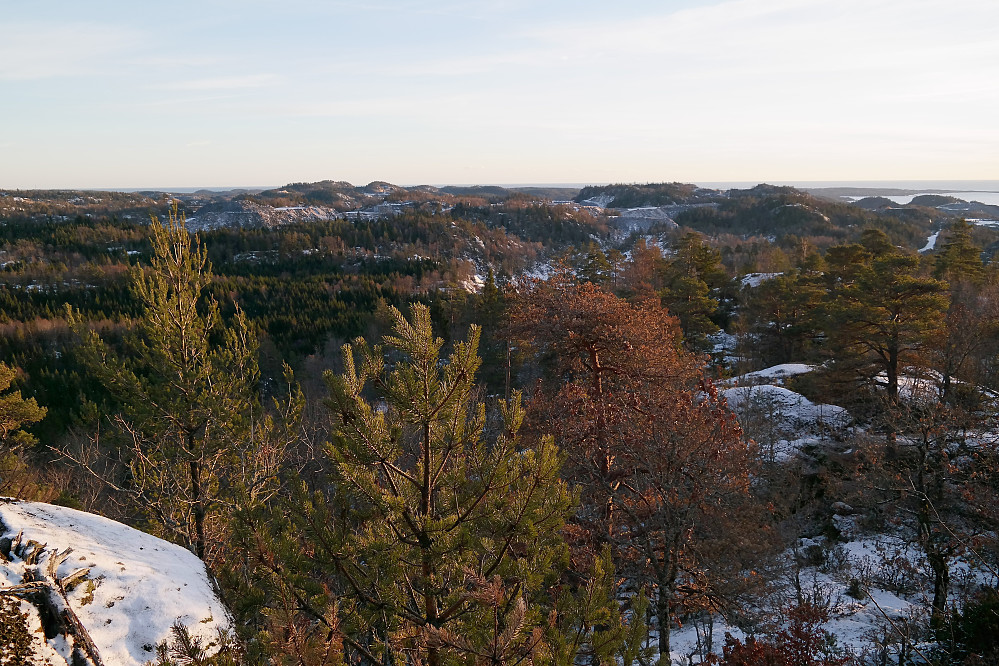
x: 772, y: 375
x: 474, y: 284
x: 599, y: 201
x: 137, y: 586
x: 931, y: 242
x: 754, y: 280
x: 786, y: 406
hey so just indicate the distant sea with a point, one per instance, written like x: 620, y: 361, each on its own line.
x: 913, y: 185
x: 899, y: 191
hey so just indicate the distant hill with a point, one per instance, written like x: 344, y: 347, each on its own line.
x: 491, y: 193
x: 649, y: 194
x: 874, y: 203
x: 340, y: 195
x: 934, y: 200
x: 778, y: 211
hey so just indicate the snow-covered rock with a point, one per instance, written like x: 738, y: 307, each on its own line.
x: 643, y: 218
x: 773, y: 375
x: 127, y: 588
x: 251, y: 215
x: 781, y: 421
x: 753, y: 280
x: 780, y: 405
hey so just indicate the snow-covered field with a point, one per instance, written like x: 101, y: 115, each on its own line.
x: 135, y: 588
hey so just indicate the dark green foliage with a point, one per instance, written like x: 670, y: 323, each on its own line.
x: 978, y: 629
x: 959, y: 258
x: 634, y: 196
x: 782, y: 316
x: 778, y: 211
x: 693, y: 280
x: 437, y: 532
x: 183, y: 649
x: 881, y: 312
x: 589, y: 623
x: 596, y: 268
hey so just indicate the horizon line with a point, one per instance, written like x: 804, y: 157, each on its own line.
x: 964, y: 185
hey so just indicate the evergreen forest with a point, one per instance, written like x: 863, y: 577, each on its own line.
x: 503, y: 427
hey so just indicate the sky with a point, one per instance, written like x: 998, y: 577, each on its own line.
x: 109, y: 94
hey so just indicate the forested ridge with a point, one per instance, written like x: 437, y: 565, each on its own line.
x: 391, y: 445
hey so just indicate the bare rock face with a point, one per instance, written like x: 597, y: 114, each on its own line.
x: 76, y: 588
x: 251, y: 215
x: 643, y: 218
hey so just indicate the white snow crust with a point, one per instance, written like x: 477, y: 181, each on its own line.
x: 754, y: 280
x: 141, y: 585
x: 781, y: 420
x: 773, y: 375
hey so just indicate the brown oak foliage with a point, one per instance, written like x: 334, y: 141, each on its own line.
x: 659, y: 461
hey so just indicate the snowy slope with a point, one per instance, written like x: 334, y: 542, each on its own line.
x: 780, y: 420
x: 135, y: 588
x: 790, y: 409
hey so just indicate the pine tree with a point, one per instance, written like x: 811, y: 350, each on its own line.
x: 780, y: 314
x: 596, y: 267
x: 959, y: 259
x: 691, y: 277
x: 448, y: 526
x: 195, y: 435
x: 970, y: 323
x: 883, y: 312
x: 15, y: 412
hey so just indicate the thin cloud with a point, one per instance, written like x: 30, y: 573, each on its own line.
x: 785, y: 36
x: 31, y: 51
x: 399, y: 106
x: 222, y: 83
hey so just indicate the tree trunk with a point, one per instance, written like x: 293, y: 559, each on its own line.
x: 506, y: 388
x: 427, y: 571
x: 606, y: 459
x: 665, y: 620
x: 934, y: 557
x: 941, y: 583
x: 891, y: 370
x: 198, y: 503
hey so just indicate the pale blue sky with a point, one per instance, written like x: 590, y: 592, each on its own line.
x: 254, y: 92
